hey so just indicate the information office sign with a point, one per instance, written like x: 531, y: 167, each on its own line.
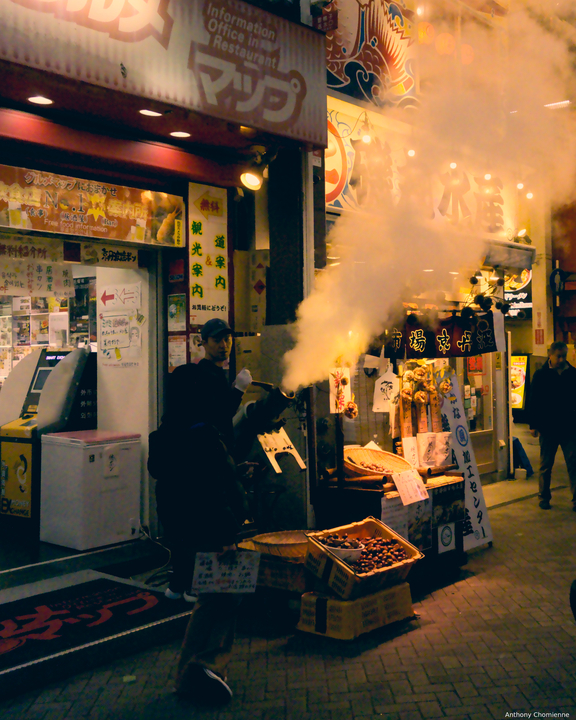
x: 224, y: 58
x: 477, y: 530
x: 38, y: 201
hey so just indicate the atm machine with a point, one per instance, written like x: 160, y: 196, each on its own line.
x: 41, y: 395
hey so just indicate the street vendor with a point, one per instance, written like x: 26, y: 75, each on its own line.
x: 201, y: 503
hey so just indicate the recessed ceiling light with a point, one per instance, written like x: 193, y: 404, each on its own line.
x: 180, y: 134
x: 40, y: 100
x: 150, y: 113
x: 452, y: 272
x: 453, y: 165
x: 411, y: 153
x: 520, y: 186
x: 529, y: 195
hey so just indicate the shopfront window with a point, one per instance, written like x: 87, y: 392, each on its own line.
x: 475, y: 379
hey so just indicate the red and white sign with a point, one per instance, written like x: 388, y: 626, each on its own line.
x: 224, y: 58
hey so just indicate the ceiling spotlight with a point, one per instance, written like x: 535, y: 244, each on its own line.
x: 520, y: 186
x: 150, y: 113
x: 366, y: 130
x: 180, y: 134
x: 487, y: 176
x: 40, y: 100
x: 247, y: 131
x: 411, y: 153
x: 452, y: 272
x: 529, y: 195
x: 420, y: 11
x: 453, y: 165
x: 252, y: 175
x: 252, y: 178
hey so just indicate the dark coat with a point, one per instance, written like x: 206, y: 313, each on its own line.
x: 190, y: 456
x: 552, y: 403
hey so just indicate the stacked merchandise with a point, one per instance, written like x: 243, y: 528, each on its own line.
x: 363, y: 567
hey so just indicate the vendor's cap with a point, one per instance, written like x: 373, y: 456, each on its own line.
x: 215, y: 327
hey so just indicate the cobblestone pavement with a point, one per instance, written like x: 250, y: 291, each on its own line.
x: 498, y: 642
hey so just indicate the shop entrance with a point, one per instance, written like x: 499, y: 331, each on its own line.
x: 107, y: 314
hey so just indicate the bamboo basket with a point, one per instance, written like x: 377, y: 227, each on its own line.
x: 288, y: 544
x: 356, y: 455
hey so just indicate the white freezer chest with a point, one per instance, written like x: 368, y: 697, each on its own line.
x: 90, y: 488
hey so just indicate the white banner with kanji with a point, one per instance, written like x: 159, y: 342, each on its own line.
x: 477, y: 530
x: 208, y: 254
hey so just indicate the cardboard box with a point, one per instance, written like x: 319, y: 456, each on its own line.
x: 341, y: 578
x: 347, y: 619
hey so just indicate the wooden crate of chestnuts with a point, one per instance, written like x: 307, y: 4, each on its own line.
x: 361, y: 558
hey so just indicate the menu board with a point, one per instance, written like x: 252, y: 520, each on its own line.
x: 51, y: 203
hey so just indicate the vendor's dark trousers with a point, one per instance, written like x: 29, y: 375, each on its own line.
x: 173, y: 515
x: 209, y: 639
x: 548, y: 448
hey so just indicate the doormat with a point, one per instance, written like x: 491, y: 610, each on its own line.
x: 59, y: 621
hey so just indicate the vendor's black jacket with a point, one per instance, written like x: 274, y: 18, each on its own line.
x: 190, y: 456
x: 552, y: 406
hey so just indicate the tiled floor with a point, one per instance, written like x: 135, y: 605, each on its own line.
x: 498, y: 641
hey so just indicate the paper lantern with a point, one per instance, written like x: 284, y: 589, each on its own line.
x: 426, y: 33
x: 445, y: 44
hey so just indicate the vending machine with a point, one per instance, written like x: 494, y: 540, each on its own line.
x: 41, y: 395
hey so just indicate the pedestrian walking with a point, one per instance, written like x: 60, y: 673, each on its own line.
x: 552, y: 414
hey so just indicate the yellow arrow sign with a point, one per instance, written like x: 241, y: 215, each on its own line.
x: 209, y: 205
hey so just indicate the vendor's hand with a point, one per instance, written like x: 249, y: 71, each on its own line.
x: 534, y: 433
x: 243, y: 380
x: 227, y: 553
x: 247, y: 469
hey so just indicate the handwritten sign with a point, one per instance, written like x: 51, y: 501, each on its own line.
x: 236, y: 573
x: 410, y: 486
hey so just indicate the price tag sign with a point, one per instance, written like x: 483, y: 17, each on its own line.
x: 410, y: 486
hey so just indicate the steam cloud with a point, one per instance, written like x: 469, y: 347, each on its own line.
x: 493, y: 111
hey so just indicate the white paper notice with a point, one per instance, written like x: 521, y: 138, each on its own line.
x: 236, y: 574
x: 58, y: 329
x: 395, y: 515
x: 385, y: 388
x: 410, y: 448
x: 410, y: 486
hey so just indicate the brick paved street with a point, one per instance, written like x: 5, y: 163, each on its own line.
x: 500, y: 640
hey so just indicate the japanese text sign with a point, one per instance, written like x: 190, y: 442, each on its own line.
x: 224, y: 58
x: 236, y: 572
x: 208, y: 254
x: 46, y: 202
x: 477, y: 529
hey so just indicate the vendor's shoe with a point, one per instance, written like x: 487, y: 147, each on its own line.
x: 190, y: 597
x: 171, y: 595
x: 545, y: 504
x: 204, y: 687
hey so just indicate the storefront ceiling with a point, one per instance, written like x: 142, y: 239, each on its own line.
x: 100, y: 110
